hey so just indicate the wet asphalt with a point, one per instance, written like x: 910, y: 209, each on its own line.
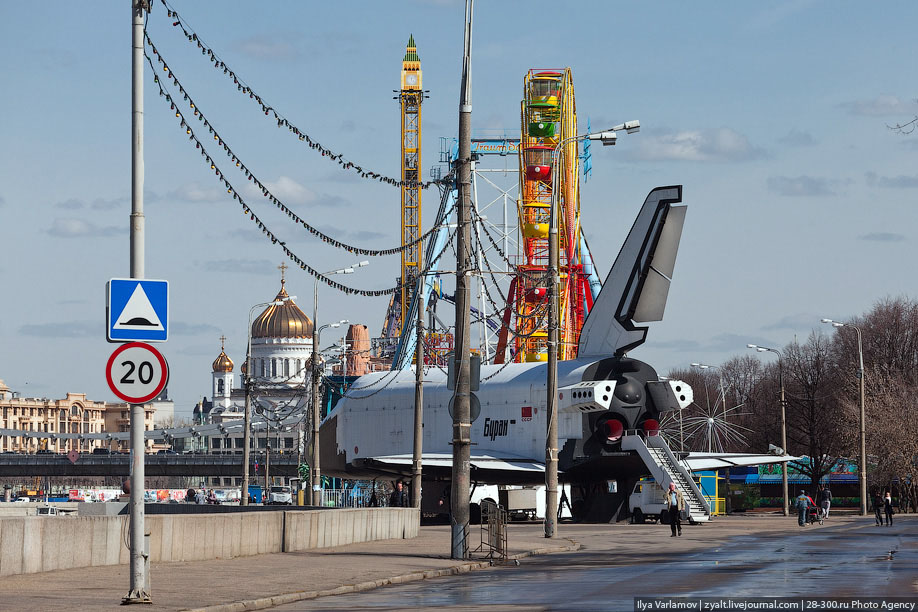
x: 850, y: 559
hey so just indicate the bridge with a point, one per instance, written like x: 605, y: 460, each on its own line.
x: 16, y: 465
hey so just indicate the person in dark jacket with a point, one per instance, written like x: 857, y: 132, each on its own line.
x: 399, y: 497
x: 824, y: 500
x: 878, y: 507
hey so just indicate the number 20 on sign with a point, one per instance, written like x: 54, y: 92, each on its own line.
x: 137, y: 372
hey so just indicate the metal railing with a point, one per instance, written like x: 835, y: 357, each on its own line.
x: 493, y: 532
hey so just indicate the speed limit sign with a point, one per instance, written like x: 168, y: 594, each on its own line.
x: 137, y: 372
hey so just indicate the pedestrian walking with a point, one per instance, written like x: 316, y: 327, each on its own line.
x: 877, y: 507
x: 803, y: 502
x: 824, y: 499
x: 887, y: 508
x: 676, y: 503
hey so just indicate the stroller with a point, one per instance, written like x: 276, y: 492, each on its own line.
x: 814, y: 514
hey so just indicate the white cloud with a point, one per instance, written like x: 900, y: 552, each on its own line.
x: 881, y: 106
x: 799, y: 186
x: 80, y: 228
x: 287, y: 191
x: 717, y: 144
x: 194, y: 192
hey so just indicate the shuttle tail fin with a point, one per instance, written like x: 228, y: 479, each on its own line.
x: 637, y: 286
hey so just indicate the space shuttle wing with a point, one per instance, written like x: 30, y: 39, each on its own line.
x: 488, y: 467
x: 717, y: 461
x: 636, y: 289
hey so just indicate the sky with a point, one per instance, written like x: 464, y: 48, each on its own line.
x: 773, y: 116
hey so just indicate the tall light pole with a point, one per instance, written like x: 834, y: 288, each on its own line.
x: 607, y: 137
x: 139, y: 584
x: 314, y: 468
x: 460, y: 476
x: 763, y: 349
x: 862, y: 461
x: 248, y: 382
x: 315, y: 475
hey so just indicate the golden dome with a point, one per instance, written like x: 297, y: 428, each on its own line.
x: 284, y: 321
x: 223, y: 363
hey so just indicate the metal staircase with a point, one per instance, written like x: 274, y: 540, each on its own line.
x: 665, y: 468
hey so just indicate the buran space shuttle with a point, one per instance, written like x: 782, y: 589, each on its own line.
x: 605, y: 397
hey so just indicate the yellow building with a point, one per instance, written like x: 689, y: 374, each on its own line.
x: 74, y: 414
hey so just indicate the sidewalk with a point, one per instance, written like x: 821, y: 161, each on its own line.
x: 262, y: 581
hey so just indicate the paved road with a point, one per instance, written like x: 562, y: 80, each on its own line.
x: 846, y: 557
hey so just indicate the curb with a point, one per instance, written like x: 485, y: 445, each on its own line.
x: 286, y: 598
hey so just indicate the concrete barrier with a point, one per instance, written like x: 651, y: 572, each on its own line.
x: 46, y: 543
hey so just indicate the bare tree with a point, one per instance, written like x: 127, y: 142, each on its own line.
x: 817, y: 424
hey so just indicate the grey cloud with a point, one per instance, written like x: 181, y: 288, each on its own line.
x: 717, y: 144
x: 344, y: 234
x: 330, y: 200
x: 795, y: 321
x: 99, y: 203
x: 181, y: 328
x: 71, y: 329
x: 797, y: 138
x: 248, y: 235
x: 677, y: 345
x: 882, y: 237
x: 881, y: 106
x: 199, y: 350
x: 277, y: 46
x: 892, y: 182
x: 2, y: 201
x: 71, y: 204
x: 799, y: 186
x: 367, y: 235
x: 103, y: 204
x: 240, y: 266
x: 80, y: 228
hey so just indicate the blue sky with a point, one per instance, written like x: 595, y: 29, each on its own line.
x: 772, y: 116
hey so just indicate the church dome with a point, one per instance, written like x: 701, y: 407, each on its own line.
x: 223, y: 363
x: 284, y: 321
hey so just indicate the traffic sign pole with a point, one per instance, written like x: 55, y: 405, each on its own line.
x: 139, y: 589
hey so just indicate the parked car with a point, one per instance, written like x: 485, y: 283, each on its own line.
x: 280, y: 495
x: 22, y: 499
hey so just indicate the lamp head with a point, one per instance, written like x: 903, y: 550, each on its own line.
x: 828, y: 321
x: 755, y: 346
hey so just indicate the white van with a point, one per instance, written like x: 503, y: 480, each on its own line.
x: 648, y: 501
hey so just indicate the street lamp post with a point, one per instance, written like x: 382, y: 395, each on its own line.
x: 607, y: 137
x: 248, y: 383
x: 314, y: 468
x: 762, y: 349
x: 862, y: 461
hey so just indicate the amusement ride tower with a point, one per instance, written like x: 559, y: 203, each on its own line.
x: 410, y: 97
x: 548, y: 174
